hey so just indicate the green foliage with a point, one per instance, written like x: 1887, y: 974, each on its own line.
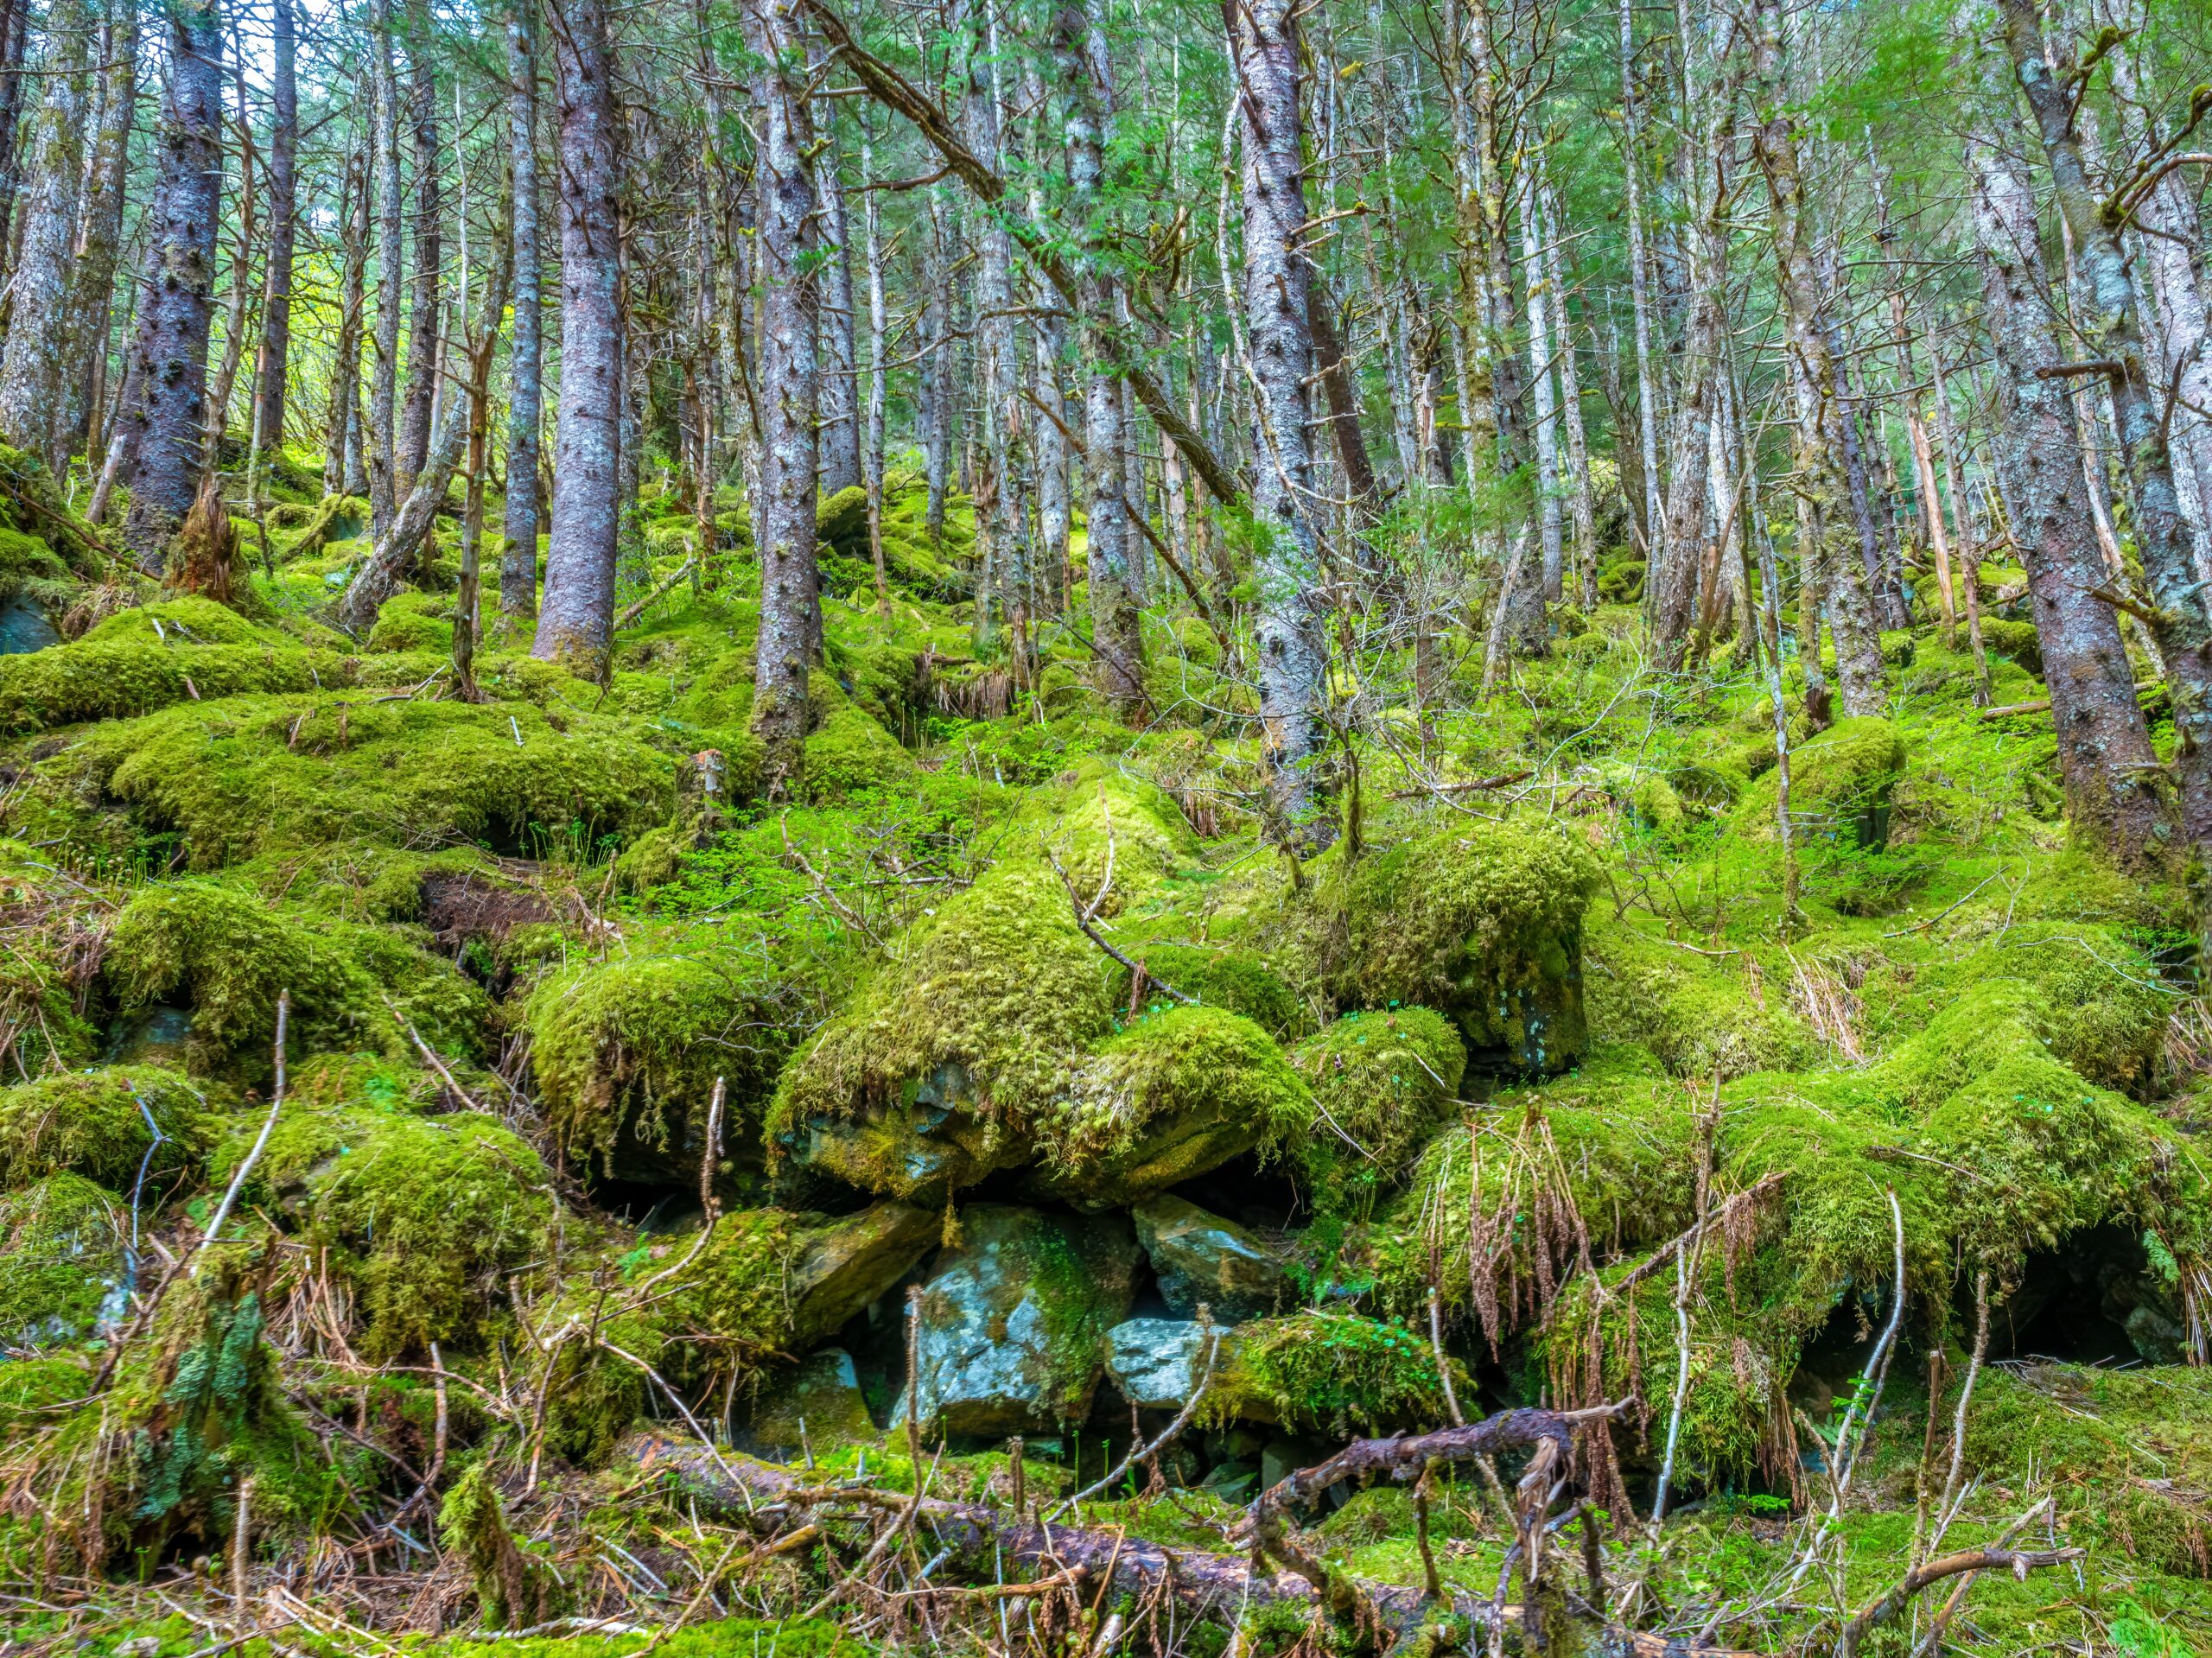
x: 1338, y: 1371
x: 1382, y: 1082
x: 94, y: 1123
x: 1840, y: 784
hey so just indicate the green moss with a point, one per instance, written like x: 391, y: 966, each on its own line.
x: 1700, y: 1016
x: 999, y: 992
x: 94, y: 1123
x: 250, y: 776
x: 1178, y: 1092
x: 1382, y: 1081
x: 1840, y: 784
x: 1338, y: 1371
x: 626, y: 1050
x: 850, y: 755
x: 229, y: 955
x: 1484, y: 923
x: 1220, y: 977
x: 515, y: 1588
x: 429, y: 1214
x: 60, y: 1255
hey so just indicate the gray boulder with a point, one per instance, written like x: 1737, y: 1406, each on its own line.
x: 1157, y: 1362
x: 845, y: 1264
x: 819, y: 1407
x: 1014, y: 1319
x: 1200, y: 1257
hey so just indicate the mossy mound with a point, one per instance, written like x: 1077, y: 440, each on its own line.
x: 427, y: 1216
x: 1700, y: 1014
x: 61, y: 1257
x: 1337, y: 1372
x: 1382, y: 1082
x: 626, y: 1051
x: 1840, y: 784
x: 850, y: 755
x: 1484, y: 923
x: 1179, y: 1092
x: 95, y: 1123
x: 229, y: 955
x: 249, y: 776
x: 1220, y: 977
x: 113, y: 673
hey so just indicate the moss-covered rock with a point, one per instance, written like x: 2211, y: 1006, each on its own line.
x: 229, y: 955
x: 1200, y: 1259
x: 427, y: 1216
x: 1700, y: 1014
x: 1840, y: 785
x: 1177, y: 1093
x: 1217, y: 977
x: 850, y: 755
x: 61, y: 1258
x: 1483, y: 922
x: 1336, y: 1371
x: 95, y: 1123
x: 1382, y: 1082
x: 1014, y: 1317
x: 626, y: 1050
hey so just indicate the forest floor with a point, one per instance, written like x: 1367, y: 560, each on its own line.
x: 1538, y: 1046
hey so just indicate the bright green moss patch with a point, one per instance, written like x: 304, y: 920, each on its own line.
x: 851, y: 754
x: 1483, y: 922
x: 626, y: 1050
x: 1225, y: 978
x: 229, y: 955
x: 1840, y: 784
x: 60, y: 1257
x: 95, y: 1123
x: 1700, y: 1015
x: 1381, y: 1082
x: 1339, y: 1372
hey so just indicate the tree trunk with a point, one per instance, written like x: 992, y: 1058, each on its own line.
x: 276, y: 302
x: 2183, y: 624
x: 576, y: 624
x: 37, y: 351
x: 878, y: 374
x: 784, y: 516
x: 2104, y: 749
x: 342, y: 439
x: 385, y: 377
x: 423, y: 322
x: 1544, y: 303
x: 839, y: 423
x: 1819, y: 424
x: 1114, y: 636
x: 173, y: 322
x: 525, y: 396
x: 15, y: 37
x: 91, y: 281
x: 935, y: 412
x: 1293, y: 651
x: 235, y: 325
x: 998, y: 513
x: 1578, y: 444
x: 1647, y: 385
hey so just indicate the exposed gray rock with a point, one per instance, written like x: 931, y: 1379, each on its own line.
x: 818, y: 1407
x: 845, y: 1264
x: 1200, y: 1257
x: 1156, y: 1363
x: 1014, y: 1319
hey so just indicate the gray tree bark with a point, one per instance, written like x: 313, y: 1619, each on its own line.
x: 577, y: 622
x: 345, y: 366
x: 173, y: 322
x: 424, y: 309
x: 525, y: 354
x: 92, y: 282
x: 276, y: 300
x: 384, y: 382
x: 37, y: 350
x: 783, y: 515
x: 841, y: 419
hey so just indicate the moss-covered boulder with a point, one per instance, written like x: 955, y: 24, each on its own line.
x: 61, y: 1260
x: 1382, y: 1082
x: 1013, y: 1320
x: 1840, y: 785
x: 228, y: 954
x: 1177, y: 1093
x: 1483, y: 922
x: 101, y: 1124
x: 625, y: 1052
x: 817, y: 1407
x: 1158, y: 1363
x: 1218, y: 976
x: 1337, y: 1372
x: 841, y: 1266
x: 1700, y: 1015
x: 850, y: 755
x: 427, y: 1216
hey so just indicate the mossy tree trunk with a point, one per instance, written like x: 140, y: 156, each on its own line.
x: 340, y: 437
x: 276, y: 301
x: 37, y: 351
x: 173, y: 322
x: 525, y: 396
x: 384, y: 383
x: 92, y: 280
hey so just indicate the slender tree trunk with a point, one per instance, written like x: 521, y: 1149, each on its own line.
x: 841, y: 419
x: 936, y: 410
x: 2183, y: 624
x: 173, y: 322
x: 37, y: 350
x: 784, y: 522
x: 277, y: 302
x: 468, y: 616
x: 1292, y: 650
x: 423, y: 322
x: 129, y: 429
x: 878, y: 374
x: 15, y: 38
x: 1647, y: 385
x: 2104, y: 749
x: 1819, y: 427
x: 998, y: 518
x: 576, y: 625
x: 383, y: 394
x: 92, y: 282
x: 525, y: 397
x: 345, y: 367
x: 1579, y: 502
x: 1543, y: 304
x: 1115, y: 636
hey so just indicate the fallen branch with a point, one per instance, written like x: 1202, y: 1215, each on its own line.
x: 632, y: 612
x: 1900, y: 1595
